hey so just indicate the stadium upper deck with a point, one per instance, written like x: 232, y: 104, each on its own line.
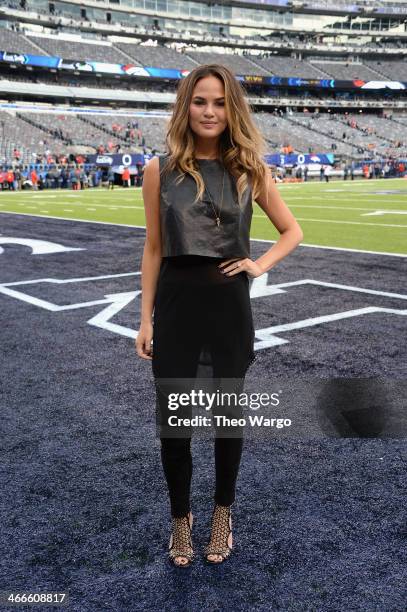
x: 310, y: 22
x: 288, y: 60
x: 78, y: 48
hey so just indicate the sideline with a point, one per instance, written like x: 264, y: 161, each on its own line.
x: 313, y: 246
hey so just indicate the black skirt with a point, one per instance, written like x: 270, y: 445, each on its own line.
x: 203, y: 323
x: 202, y: 331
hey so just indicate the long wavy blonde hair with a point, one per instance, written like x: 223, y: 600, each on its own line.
x: 241, y: 144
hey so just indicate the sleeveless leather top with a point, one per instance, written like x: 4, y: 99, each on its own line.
x: 190, y: 229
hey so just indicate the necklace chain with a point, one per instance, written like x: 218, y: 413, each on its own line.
x: 217, y: 216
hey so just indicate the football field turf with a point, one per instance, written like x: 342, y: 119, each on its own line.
x: 361, y: 214
x: 319, y: 519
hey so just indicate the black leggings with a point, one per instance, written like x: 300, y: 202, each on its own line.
x: 197, y: 306
x: 177, y: 464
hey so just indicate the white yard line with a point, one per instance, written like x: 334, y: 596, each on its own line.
x: 134, y: 207
x: 332, y: 207
x: 313, y: 246
x: 346, y: 222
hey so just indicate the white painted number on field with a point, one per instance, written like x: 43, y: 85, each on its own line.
x: 38, y: 247
x: 267, y: 337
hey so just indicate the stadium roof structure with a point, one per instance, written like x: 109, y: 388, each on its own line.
x: 326, y: 7
x: 205, y: 14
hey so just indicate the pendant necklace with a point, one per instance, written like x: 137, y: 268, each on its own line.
x: 217, y: 216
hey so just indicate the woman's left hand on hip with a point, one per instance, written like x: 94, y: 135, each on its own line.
x: 230, y: 267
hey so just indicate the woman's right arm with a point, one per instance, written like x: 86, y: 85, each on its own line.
x: 151, y: 262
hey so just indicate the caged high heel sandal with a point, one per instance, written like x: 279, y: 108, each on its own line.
x: 181, y: 541
x: 221, y: 533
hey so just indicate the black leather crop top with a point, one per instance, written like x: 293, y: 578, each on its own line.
x: 191, y: 229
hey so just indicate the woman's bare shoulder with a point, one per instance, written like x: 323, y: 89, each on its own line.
x: 153, y: 164
x: 152, y: 170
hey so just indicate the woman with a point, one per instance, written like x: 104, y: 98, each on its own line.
x: 196, y: 268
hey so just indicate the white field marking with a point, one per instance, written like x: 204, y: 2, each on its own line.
x: 114, y: 303
x: 268, y: 339
x: 29, y: 194
x: 331, y: 199
x: 384, y: 212
x: 260, y: 288
x: 326, y: 207
x: 381, y: 196
x: 259, y: 216
x: 347, y: 222
x: 399, y: 194
x: 83, y: 204
x: 347, y: 196
x: 332, y: 248
x: 68, y: 209
x: 44, y: 211
x: 393, y: 190
x: 65, y: 281
x: 69, y: 193
x: 348, y: 183
x: 38, y: 247
x: 400, y: 199
x: 263, y: 216
x: 143, y: 227
x: 266, y: 336
x: 97, y: 193
x: 118, y: 301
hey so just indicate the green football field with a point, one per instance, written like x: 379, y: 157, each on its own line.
x: 361, y: 214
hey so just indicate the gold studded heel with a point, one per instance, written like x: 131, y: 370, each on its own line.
x: 181, y: 540
x: 221, y: 529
